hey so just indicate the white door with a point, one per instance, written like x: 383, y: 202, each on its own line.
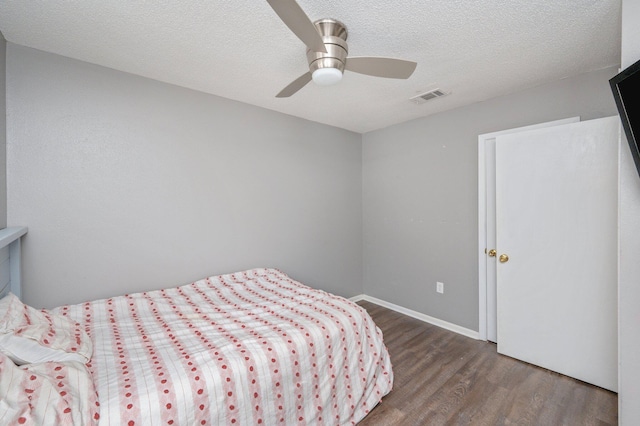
x: 556, y: 216
x: 487, y: 225
x: 490, y: 258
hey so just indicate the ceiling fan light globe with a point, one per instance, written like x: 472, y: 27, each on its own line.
x: 326, y: 76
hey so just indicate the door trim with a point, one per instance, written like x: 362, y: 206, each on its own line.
x: 482, y: 213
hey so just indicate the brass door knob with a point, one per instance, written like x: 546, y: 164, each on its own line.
x: 504, y: 258
x: 492, y: 253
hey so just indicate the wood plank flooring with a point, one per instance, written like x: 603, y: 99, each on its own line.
x: 443, y: 378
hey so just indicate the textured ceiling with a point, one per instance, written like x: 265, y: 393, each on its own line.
x: 239, y: 49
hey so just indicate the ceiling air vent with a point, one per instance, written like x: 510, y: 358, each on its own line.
x: 427, y: 96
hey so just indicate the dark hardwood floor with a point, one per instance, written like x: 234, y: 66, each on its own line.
x: 443, y: 378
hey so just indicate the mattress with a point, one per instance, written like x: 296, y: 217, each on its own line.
x: 249, y: 348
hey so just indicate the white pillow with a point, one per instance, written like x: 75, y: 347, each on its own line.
x: 23, y: 350
x: 29, y: 336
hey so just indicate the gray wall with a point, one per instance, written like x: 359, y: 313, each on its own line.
x: 3, y: 133
x: 629, y: 274
x: 420, y: 198
x: 128, y: 184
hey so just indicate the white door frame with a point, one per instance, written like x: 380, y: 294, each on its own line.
x: 483, y: 163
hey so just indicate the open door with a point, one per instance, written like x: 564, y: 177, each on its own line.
x: 556, y: 231
x: 488, y: 328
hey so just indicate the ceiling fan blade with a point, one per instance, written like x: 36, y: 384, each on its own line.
x: 298, y: 22
x: 381, y: 67
x: 295, y: 85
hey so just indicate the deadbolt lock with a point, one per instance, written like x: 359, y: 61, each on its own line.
x: 504, y: 258
x: 492, y: 253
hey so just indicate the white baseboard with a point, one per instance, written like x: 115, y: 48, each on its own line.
x: 417, y: 315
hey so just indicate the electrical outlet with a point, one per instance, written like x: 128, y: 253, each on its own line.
x: 440, y: 287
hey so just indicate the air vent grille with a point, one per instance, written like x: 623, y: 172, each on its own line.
x: 427, y: 96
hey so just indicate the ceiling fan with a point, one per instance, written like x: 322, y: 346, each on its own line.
x: 326, y: 40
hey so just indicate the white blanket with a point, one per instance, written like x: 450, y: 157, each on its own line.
x: 249, y: 348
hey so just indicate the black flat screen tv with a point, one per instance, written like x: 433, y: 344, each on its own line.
x: 626, y: 91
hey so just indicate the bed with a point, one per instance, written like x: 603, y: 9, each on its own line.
x: 248, y: 348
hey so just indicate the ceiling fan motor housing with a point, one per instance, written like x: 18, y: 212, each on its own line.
x: 334, y: 35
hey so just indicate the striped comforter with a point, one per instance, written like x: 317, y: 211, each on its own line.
x: 249, y: 348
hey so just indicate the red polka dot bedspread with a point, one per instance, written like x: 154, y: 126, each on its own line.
x: 249, y: 348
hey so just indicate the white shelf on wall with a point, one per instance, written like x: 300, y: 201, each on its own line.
x: 11, y: 237
x: 11, y: 234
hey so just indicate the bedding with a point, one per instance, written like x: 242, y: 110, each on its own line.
x: 28, y: 335
x: 47, y: 394
x: 250, y: 348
